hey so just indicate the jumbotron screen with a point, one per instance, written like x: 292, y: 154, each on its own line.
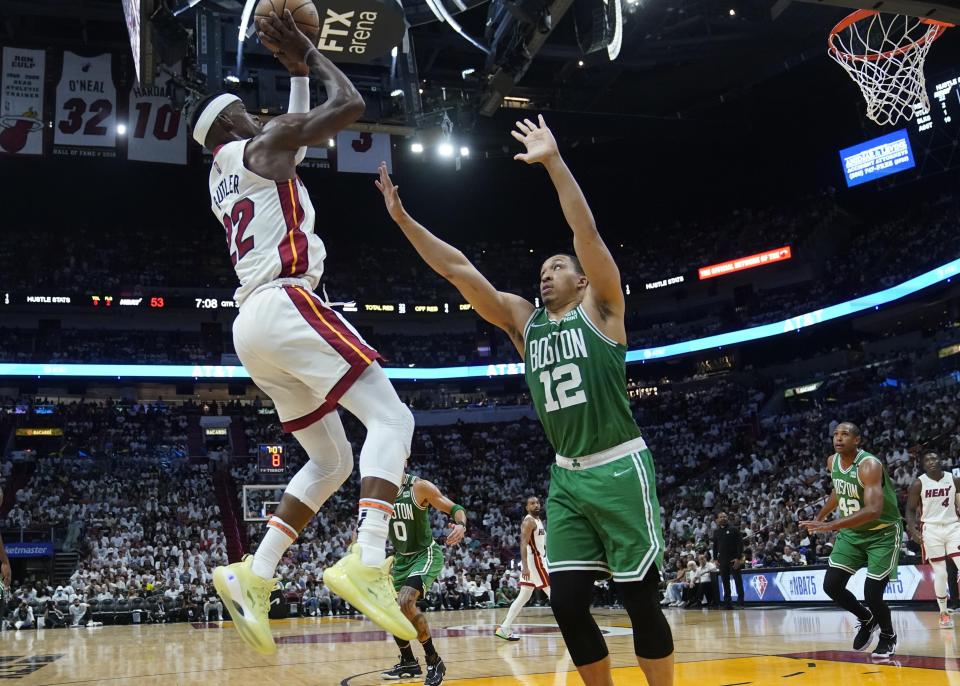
x: 944, y: 91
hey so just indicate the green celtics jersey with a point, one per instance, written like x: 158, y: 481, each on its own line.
x: 577, y: 380
x: 850, y: 492
x: 410, y: 530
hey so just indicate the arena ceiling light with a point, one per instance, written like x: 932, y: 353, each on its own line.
x: 445, y: 149
x: 613, y: 49
x: 416, y: 148
x: 444, y: 17
x: 941, y: 274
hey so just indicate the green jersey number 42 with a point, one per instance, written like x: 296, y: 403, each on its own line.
x: 568, y: 380
x: 848, y: 506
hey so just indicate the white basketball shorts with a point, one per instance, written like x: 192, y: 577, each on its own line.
x: 940, y: 541
x: 539, y: 578
x: 298, y: 351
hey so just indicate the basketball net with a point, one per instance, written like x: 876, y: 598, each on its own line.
x: 884, y: 55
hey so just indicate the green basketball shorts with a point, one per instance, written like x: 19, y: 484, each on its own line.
x: 426, y: 564
x: 877, y: 550
x: 605, y: 518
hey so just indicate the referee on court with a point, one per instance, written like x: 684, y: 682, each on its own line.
x: 728, y: 551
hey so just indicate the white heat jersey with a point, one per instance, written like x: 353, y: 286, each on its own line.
x: 938, y: 501
x: 537, y: 545
x: 269, y: 224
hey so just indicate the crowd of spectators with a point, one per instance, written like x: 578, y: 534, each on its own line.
x: 906, y: 242
x: 145, y: 523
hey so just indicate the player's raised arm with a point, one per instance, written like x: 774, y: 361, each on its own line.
x: 505, y: 310
x: 426, y: 492
x: 597, y: 262
x: 913, y: 503
x: 342, y: 107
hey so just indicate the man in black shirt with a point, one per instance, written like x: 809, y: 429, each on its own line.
x: 728, y: 551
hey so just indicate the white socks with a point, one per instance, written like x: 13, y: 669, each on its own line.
x: 373, y: 529
x: 278, y: 538
x: 523, y: 597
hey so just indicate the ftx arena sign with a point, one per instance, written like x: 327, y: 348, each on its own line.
x: 359, y: 31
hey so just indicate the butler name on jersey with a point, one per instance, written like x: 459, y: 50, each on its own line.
x: 268, y: 224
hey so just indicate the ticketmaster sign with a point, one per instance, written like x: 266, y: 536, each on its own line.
x: 33, y: 549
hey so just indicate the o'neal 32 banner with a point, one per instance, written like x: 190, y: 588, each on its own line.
x: 85, y: 121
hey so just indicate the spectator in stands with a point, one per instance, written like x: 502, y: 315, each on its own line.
x: 23, y: 617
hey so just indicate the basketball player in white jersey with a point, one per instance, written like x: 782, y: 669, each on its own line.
x: 935, y: 495
x: 304, y: 355
x: 533, y: 571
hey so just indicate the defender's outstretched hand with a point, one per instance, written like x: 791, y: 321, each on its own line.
x: 391, y: 197
x: 539, y: 141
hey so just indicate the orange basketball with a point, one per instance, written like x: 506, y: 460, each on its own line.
x: 304, y: 13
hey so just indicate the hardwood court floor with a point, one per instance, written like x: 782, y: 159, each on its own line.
x: 753, y: 647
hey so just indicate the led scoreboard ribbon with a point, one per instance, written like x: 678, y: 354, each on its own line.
x: 271, y: 459
x: 200, y: 371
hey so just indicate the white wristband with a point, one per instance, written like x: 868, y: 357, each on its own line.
x: 299, y: 95
x: 299, y: 103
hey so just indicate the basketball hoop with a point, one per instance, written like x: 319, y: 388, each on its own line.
x: 884, y: 54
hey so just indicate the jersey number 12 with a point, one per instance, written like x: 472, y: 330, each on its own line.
x: 568, y: 380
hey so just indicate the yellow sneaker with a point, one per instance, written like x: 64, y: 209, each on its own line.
x: 370, y: 590
x: 247, y: 596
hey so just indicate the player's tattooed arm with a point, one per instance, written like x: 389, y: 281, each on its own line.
x: 426, y: 492
x: 913, y: 502
x: 605, y: 290
x: 343, y: 105
x: 526, y: 530
x: 505, y: 310
x: 956, y: 496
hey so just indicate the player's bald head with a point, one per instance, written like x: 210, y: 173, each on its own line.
x: 849, y: 427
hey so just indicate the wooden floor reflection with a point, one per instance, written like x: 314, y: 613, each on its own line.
x: 714, y: 648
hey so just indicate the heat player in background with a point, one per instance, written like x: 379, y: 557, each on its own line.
x: 533, y: 569
x: 934, y: 494
x: 305, y: 356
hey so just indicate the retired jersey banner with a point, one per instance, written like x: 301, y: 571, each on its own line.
x: 362, y: 152
x: 155, y: 131
x: 85, y: 121
x: 21, y: 111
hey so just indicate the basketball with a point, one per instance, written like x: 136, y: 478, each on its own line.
x: 304, y: 13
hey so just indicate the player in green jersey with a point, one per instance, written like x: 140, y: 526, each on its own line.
x: 417, y: 562
x: 870, y: 536
x: 602, y: 505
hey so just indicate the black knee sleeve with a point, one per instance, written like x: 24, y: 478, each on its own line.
x: 835, y: 582
x: 652, y: 638
x: 571, y: 593
x: 873, y: 591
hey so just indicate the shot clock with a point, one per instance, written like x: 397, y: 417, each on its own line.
x: 271, y: 459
